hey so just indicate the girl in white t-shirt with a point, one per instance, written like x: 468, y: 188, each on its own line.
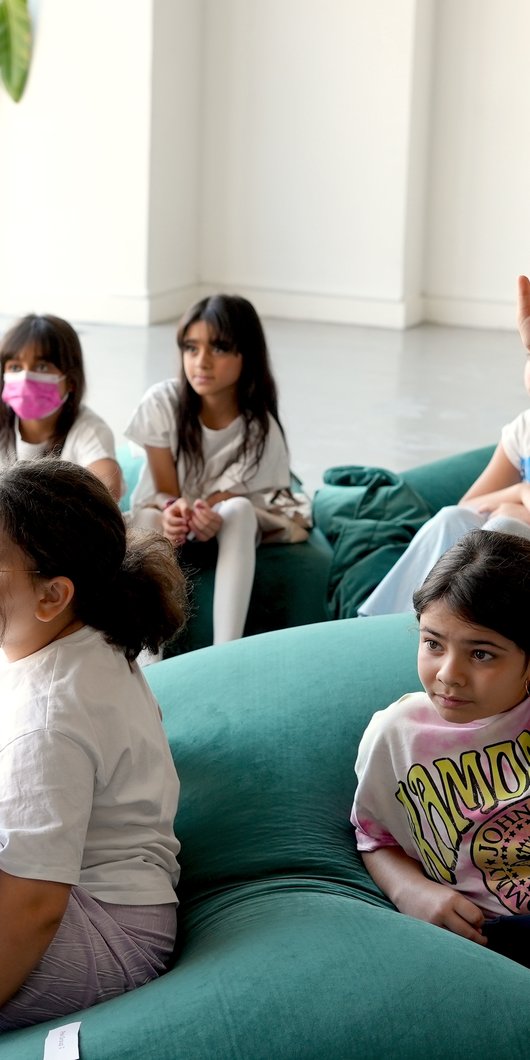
x: 498, y: 500
x: 442, y: 807
x: 42, y: 384
x: 88, y: 788
x: 217, y: 457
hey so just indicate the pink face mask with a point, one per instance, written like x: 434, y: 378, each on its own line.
x: 32, y: 395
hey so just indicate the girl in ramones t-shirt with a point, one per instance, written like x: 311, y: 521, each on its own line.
x: 442, y: 807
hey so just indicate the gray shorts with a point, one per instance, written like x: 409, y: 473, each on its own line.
x: 99, y: 951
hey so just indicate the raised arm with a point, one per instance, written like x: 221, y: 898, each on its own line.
x: 401, y: 878
x: 523, y: 310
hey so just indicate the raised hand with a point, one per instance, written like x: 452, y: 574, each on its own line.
x: 523, y: 309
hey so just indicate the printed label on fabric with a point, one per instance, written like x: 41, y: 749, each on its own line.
x: 62, y: 1043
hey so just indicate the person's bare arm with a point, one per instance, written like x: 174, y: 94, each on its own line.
x: 499, y: 483
x: 164, y: 474
x: 30, y: 914
x: 401, y: 878
x: 109, y: 471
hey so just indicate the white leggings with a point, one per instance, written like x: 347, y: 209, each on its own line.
x: 236, y: 563
x: 394, y: 592
x: 234, y: 572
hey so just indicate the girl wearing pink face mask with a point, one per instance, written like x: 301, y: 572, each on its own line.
x: 42, y: 383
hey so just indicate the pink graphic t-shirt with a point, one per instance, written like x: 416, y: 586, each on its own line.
x: 454, y: 797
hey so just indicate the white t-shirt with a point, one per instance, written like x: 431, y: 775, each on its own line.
x: 515, y: 439
x: 155, y: 424
x: 89, y: 439
x: 455, y: 797
x: 88, y: 788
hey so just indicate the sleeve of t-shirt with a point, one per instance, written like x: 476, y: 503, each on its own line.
x: 89, y: 439
x: 46, y: 793
x: 515, y: 438
x: 153, y: 421
x: 367, y: 814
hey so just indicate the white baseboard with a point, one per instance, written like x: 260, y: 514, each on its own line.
x: 136, y: 309
x: 144, y: 308
x: 331, y: 309
x: 461, y: 312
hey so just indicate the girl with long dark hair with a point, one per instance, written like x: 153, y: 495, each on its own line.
x: 217, y: 459
x: 42, y: 385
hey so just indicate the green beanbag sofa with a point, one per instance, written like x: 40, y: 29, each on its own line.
x: 287, y: 951
x: 290, y: 583
x: 369, y: 516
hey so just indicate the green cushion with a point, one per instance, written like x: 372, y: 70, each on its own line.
x: 290, y: 586
x: 290, y: 583
x: 300, y: 786
x: 131, y: 465
x: 444, y: 482
x: 287, y: 950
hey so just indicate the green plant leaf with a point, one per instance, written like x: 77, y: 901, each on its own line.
x: 15, y: 45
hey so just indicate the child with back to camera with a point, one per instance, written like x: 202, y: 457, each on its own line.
x: 88, y: 788
x: 217, y: 459
x: 42, y: 383
x: 498, y: 500
x: 442, y: 807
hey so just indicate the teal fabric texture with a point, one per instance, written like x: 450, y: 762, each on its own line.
x: 444, y: 482
x: 286, y: 947
x: 131, y: 464
x: 369, y: 515
x: 290, y: 587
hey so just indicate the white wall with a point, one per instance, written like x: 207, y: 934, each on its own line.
x: 175, y: 157
x: 333, y: 159
x: 74, y: 232
x: 307, y: 154
x: 99, y: 216
x: 478, y: 236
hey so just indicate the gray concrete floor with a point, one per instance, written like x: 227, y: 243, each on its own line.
x: 348, y: 395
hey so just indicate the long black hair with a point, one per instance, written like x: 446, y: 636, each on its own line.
x: 63, y: 518
x: 484, y: 579
x: 58, y: 343
x: 234, y: 325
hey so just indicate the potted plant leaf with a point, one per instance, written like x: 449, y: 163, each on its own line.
x: 15, y: 45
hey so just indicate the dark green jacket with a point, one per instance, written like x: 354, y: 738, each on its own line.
x: 369, y: 515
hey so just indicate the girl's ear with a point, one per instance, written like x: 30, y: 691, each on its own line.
x: 54, y: 598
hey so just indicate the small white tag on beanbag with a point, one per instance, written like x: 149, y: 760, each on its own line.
x: 62, y: 1043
